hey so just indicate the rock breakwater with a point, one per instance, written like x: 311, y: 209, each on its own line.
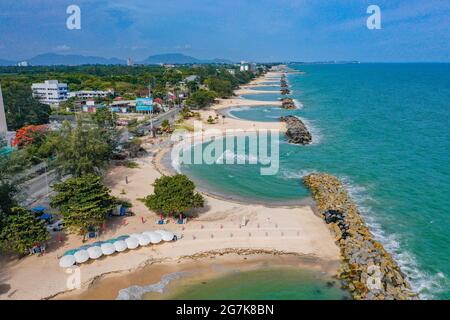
x: 296, y: 131
x: 367, y: 270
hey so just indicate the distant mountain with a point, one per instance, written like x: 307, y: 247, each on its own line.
x: 49, y: 59
x: 178, y: 58
x: 6, y: 63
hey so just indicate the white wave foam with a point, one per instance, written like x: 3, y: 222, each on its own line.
x: 229, y: 156
x: 313, y: 129
x: 298, y: 104
x: 288, y: 174
x: 425, y: 284
x: 136, y: 292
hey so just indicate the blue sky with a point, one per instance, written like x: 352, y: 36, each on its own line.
x: 257, y: 30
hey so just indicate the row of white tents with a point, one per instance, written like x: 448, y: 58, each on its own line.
x: 108, y: 247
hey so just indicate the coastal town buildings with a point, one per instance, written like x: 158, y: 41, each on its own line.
x: 50, y: 92
x: 88, y: 94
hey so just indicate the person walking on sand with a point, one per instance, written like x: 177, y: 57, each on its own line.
x: 126, y: 179
x: 142, y: 219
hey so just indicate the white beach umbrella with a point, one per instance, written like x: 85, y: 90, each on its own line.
x: 81, y: 256
x: 108, y: 248
x: 120, y: 245
x: 154, y: 237
x: 165, y: 235
x: 132, y: 242
x: 136, y: 235
x: 94, y: 252
x: 67, y: 261
x: 143, y: 239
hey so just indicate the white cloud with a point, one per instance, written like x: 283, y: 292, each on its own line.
x: 62, y: 47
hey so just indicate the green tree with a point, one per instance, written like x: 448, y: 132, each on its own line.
x: 174, y: 195
x: 104, y: 118
x: 223, y: 88
x: 83, y: 149
x: 10, y: 166
x: 83, y: 201
x: 201, y: 99
x: 21, y: 108
x: 21, y: 231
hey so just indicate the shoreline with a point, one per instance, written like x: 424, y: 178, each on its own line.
x: 153, y: 272
x: 296, y: 229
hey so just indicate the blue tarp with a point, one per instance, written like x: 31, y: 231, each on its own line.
x: 46, y: 216
x: 38, y: 209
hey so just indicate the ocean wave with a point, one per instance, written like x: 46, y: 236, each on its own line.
x: 426, y: 285
x: 316, y: 133
x: 229, y: 156
x: 298, y: 104
x: 136, y: 292
x: 288, y: 174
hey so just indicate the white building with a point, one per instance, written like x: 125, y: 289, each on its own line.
x: 50, y: 92
x: 88, y: 94
x: 246, y: 66
x: 23, y: 64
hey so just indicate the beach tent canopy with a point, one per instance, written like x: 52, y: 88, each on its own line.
x: 132, y: 242
x: 108, y: 248
x: 70, y: 252
x: 120, y: 245
x: 143, y: 239
x: 81, y: 256
x: 67, y: 261
x: 165, y: 235
x: 154, y: 237
x: 94, y: 252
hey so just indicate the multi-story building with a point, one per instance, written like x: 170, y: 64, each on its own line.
x: 88, y: 94
x: 50, y: 92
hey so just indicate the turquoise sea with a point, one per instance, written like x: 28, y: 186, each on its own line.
x: 263, y: 284
x: 384, y: 129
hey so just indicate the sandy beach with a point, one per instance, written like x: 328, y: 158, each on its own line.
x: 215, y: 230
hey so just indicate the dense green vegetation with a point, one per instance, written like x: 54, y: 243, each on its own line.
x: 84, y: 202
x: 20, y: 231
x: 174, y: 195
x: 128, y: 82
x: 20, y: 107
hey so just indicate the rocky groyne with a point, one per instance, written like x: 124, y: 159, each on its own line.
x: 367, y: 270
x: 288, y: 103
x: 296, y: 131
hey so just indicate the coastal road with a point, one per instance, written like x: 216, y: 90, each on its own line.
x: 157, y: 121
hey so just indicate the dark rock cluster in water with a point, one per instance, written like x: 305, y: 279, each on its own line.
x: 296, y: 130
x: 367, y: 270
x: 288, y: 103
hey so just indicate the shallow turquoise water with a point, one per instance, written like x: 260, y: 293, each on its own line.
x: 384, y: 130
x: 266, y: 284
x: 261, y: 113
x: 262, y: 96
x: 267, y: 88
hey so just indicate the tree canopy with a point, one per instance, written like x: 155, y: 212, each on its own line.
x: 82, y: 149
x: 201, y: 99
x: 20, y: 231
x: 174, y: 195
x: 21, y: 108
x: 83, y: 201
